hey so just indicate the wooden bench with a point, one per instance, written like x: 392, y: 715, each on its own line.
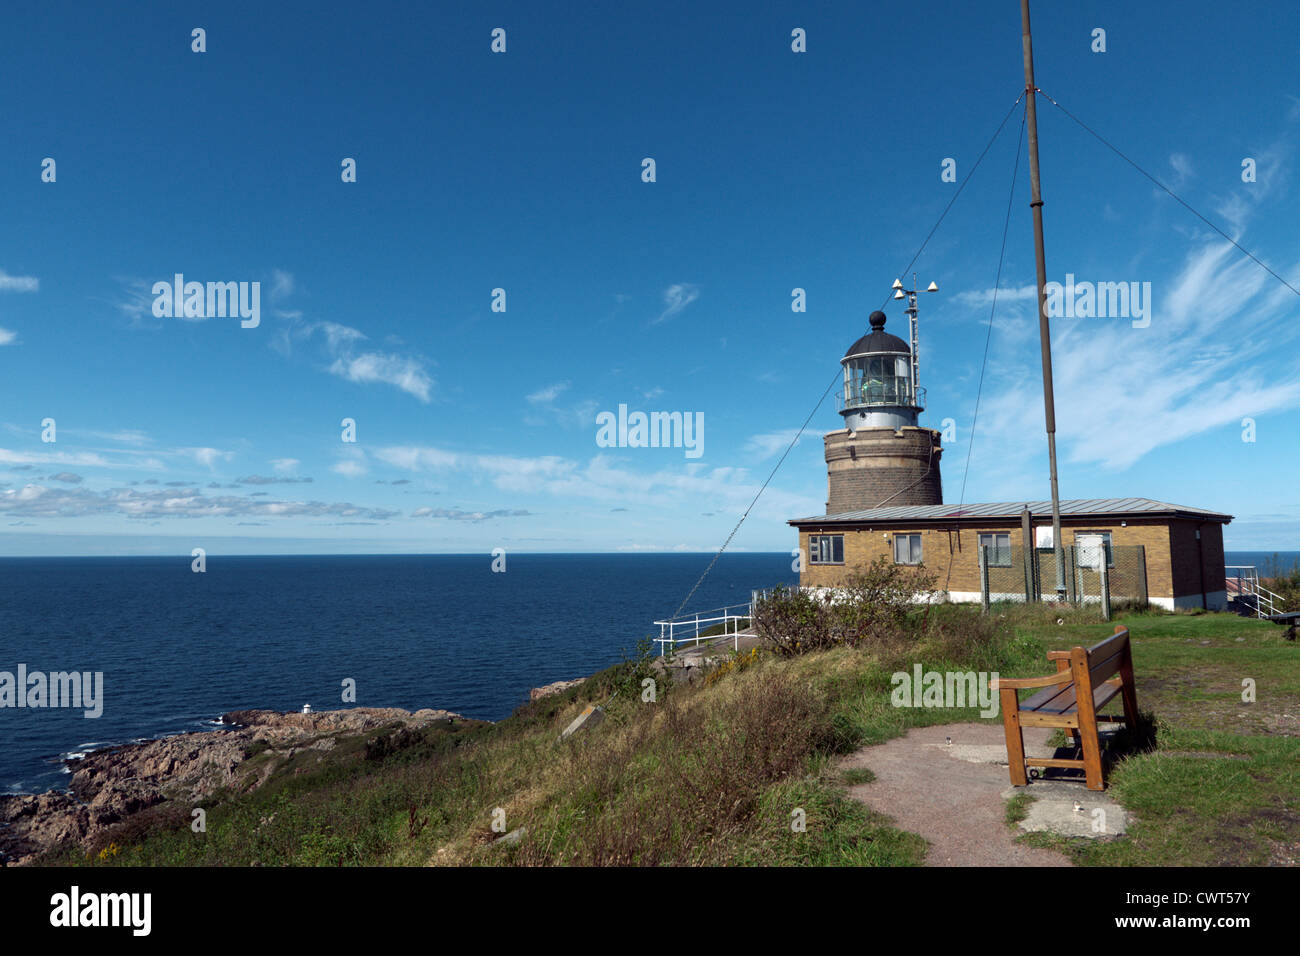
x: 1084, y: 681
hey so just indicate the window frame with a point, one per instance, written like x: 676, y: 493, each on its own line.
x: 920, y: 548
x: 815, y: 549
x: 994, y: 534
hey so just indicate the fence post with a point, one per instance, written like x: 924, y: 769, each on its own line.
x: 984, y: 578
x: 1105, y: 586
x: 1027, y: 546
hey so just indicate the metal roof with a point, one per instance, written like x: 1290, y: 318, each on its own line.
x: 1080, y: 507
x: 878, y: 340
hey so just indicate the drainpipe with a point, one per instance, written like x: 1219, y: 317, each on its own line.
x: 1200, y: 555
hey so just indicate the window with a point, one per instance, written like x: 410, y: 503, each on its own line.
x: 999, y: 548
x: 1105, y: 540
x: 907, y: 549
x: 826, y: 549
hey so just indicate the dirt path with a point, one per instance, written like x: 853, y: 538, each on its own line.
x: 951, y: 794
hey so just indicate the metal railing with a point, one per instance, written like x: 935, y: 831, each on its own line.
x: 1243, y: 585
x: 692, y: 624
x: 865, y: 396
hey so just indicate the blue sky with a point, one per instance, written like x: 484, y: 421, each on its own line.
x: 522, y: 171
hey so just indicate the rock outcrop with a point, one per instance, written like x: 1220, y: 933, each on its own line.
x: 114, y: 783
x: 559, y: 687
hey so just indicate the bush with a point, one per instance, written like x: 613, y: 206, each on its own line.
x: 1287, y: 586
x: 872, y: 605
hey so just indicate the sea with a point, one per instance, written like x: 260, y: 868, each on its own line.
x: 178, y: 648
x: 1268, y: 563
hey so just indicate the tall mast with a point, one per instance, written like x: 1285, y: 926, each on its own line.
x: 1044, y: 329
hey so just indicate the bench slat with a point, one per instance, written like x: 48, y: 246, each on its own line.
x: 1064, y: 700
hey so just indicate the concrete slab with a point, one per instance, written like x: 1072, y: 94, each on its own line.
x: 1066, y: 808
x: 951, y: 793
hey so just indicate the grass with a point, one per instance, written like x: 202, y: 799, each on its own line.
x: 1222, y: 785
x: 744, y: 769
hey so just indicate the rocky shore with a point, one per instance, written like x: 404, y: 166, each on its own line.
x: 112, y: 784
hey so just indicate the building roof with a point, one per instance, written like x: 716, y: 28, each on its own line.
x: 878, y: 340
x: 1080, y: 507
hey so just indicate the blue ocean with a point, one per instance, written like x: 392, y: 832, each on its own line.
x: 1268, y: 563
x: 177, y: 648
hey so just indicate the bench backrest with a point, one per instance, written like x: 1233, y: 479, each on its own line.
x: 1106, y: 658
x: 1092, y: 667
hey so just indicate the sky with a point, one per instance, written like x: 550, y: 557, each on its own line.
x: 476, y: 412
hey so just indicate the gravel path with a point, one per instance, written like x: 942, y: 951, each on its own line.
x: 951, y: 794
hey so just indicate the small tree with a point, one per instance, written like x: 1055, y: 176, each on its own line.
x: 872, y: 604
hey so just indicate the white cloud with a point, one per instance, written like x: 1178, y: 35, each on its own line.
x: 182, y: 502
x: 285, y: 466
x: 677, y: 297
x: 544, y: 396
x: 10, y: 283
x: 1122, y: 392
x: 84, y: 459
x: 770, y: 443
x: 7, y: 337
x: 352, y: 465
x: 207, y: 457
x: 985, y: 296
x: 406, y: 374
x: 725, y: 489
x: 281, y: 284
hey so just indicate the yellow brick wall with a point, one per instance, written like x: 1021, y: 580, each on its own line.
x: 942, y: 546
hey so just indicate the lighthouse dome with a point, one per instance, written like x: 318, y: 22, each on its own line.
x: 878, y: 340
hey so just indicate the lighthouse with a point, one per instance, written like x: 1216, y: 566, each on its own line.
x: 882, y: 457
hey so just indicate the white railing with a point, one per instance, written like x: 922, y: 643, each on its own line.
x: 1243, y: 582
x: 689, y: 627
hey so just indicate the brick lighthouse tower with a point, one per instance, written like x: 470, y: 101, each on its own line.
x: 881, y: 457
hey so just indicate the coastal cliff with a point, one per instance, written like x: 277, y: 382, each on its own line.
x: 177, y: 773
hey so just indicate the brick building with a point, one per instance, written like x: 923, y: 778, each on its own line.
x: 885, y: 499
x: 1179, y: 564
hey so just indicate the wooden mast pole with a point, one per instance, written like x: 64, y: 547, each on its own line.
x: 1044, y: 328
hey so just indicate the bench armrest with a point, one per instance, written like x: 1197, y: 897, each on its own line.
x: 1058, y: 655
x: 1060, y: 677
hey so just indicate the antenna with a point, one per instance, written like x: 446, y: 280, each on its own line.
x: 910, y: 311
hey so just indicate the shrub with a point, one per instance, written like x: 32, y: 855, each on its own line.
x: 872, y: 605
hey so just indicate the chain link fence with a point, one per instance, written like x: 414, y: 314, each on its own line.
x: 1100, y: 574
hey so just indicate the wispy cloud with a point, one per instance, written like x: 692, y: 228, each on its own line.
x: 544, y: 396
x: 407, y: 374
x: 1122, y: 392
x: 10, y: 283
x: 351, y: 464
x: 770, y: 443
x: 453, y: 514
x: 33, y: 501
x: 725, y: 489
x: 1004, y: 294
x: 207, y: 457
x: 8, y: 337
x: 282, y: 284
x: 677, y: 297
x: 269, y: 480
